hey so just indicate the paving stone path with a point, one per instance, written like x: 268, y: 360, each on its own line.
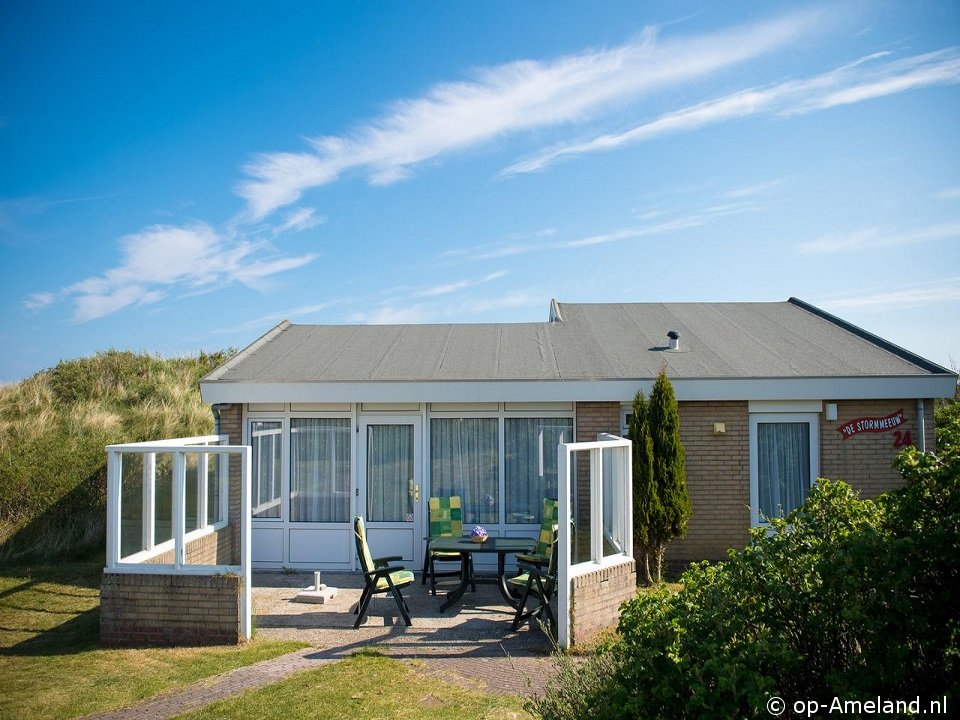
x: 470, y: 647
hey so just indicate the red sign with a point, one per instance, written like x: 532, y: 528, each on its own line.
x: 872, y: 424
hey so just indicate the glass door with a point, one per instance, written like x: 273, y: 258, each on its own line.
x: 391, y: 487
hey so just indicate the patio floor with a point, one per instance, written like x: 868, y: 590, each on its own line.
x: 471, y: 643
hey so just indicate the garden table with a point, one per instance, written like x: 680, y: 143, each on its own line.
x: 502, y: 546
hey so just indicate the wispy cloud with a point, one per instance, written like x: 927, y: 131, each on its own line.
x: 299, y: 220
x: 871, y: 238
x: 950, y: 193
x: 945, y: 291
x: 750, y: 191
x: 504, y: 99
x: 293, y: 314
x: 164, y: 258
x: 40, y: 300
x: 453, y: 287
x: 863, y: 79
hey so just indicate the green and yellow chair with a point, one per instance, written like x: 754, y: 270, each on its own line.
x: 538, y: 583
x: 379, y: 576
x: 446, y: 520
x: 546, y: 540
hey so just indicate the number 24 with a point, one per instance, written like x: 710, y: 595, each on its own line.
x: 901, y: 439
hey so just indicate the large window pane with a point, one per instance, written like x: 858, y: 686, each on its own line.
x: 465, y: 461
x: 783, y: 467
x: 530, y: 464
x: 266, y: 437
x: 319, y: 470
x: 390, y: 481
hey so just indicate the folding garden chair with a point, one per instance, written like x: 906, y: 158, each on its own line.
x: 540, y: 555
x: 379, y: 576
x: 538, y: 583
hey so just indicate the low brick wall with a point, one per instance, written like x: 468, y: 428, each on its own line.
x: 595, y: 600
x: 137, y: 610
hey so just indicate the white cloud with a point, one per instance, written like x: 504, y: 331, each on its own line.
x: 163, y: 258
x: 950, y: 193
x: 39, y: 300
x: 298, y: 220
x: 508, y: 98
x: 943, y: 292
x: 871, y: 238
x: 855, y: 82
x: 460, y: 285
x: 753, y: 190
x: 392, y: 315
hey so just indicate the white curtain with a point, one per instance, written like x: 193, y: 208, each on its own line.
x: 784, y: 466
x: 465, y: 461
x: 390, y: 473
x: 530, y: 464
x: 320, y: 470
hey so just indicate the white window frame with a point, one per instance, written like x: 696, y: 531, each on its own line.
x: 756, y: 419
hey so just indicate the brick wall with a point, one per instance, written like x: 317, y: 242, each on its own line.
x: 138, y: 610
x: 865, y: 460
x: 595, y: 600
x: 718, y: 480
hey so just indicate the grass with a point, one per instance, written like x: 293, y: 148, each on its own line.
x: 51, y: 663
x: 365, y: 685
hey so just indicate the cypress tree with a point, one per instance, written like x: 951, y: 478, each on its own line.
x: 646, y: 503
x: 669, y: 470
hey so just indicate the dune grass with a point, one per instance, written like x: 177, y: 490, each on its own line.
x: 53, y: 430
x: 51, y: 663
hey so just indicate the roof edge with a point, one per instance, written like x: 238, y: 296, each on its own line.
x: 890, y: 347
x: 217, y: 373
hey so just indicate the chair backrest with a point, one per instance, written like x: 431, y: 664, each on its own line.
x: 548, y: 527
x: 363, y: 550
x: 446, y: 516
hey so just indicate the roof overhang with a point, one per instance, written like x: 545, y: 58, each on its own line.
x: 685, y: 389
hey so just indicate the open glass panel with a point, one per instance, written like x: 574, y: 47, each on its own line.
x: 266, y: 439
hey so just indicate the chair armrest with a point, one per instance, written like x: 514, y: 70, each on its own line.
x: 378, y: 562
x: 533, y: 568
x: 384, y: 571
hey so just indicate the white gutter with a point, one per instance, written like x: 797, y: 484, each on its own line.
x: 686, y: 389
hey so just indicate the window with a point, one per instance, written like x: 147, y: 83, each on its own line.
x: 465, y: 461
x: 320, y: 470
x: 784, y: 463
x: 530, y: 464
x: 266, y: 437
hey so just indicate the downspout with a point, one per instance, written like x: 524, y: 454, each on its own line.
x: 921, y: 426
x: 216, y: 408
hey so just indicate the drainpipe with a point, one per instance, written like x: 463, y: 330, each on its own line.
x: 217, y: 408
x: 921, y: 426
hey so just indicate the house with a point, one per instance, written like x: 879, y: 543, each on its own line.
x: 375, y: 419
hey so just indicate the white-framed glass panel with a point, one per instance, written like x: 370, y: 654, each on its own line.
x: 465, y: 461
x: 615, y: 473
x: 216, y: 486
x: 530, y: 464
x: 266, y: 439
x: 390, y: 472
x: 320, y: 470
x: 784, y: 462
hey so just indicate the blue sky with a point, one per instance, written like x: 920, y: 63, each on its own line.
x: 180, y: 176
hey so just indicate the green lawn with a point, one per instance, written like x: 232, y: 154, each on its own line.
x: 365, y: 685
x: 51, y: 663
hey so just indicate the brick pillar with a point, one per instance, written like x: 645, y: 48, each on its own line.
x: 231, y: 424
x: 592, y: 418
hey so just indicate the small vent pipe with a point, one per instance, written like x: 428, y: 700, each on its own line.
x: 674, y: 337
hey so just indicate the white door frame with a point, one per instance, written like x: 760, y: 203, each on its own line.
x: 394, y: 538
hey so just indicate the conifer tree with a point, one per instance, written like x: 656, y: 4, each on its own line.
x: 669, y: 470
x: 646, y: 503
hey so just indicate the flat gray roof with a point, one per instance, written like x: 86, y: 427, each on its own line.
x: 586, y: 342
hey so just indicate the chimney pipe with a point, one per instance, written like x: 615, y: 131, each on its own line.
x: 674, y: 336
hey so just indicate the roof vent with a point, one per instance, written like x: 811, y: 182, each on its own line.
x: 674, y: 336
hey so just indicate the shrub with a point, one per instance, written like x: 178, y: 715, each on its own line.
x: 845, y: 597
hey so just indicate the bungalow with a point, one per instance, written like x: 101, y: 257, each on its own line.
x: 375, y: 419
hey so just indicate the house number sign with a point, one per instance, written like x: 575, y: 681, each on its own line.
x: 878, y: 425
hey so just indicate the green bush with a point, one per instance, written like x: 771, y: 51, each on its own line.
x: 845, y: 598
